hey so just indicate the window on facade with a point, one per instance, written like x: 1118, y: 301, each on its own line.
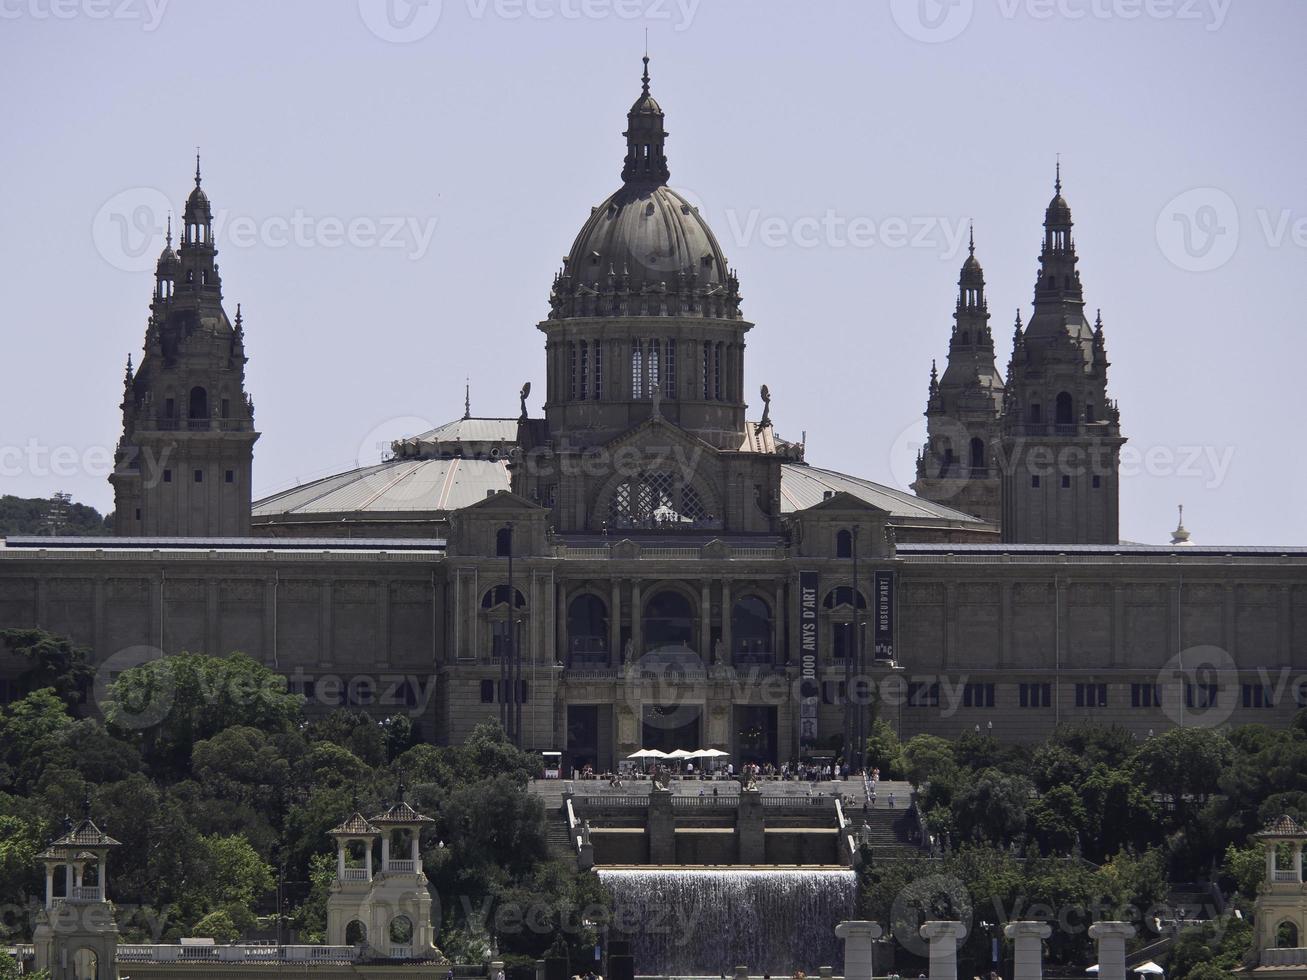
x: 842, y: 640
x: 1097, y: 482
x: 977, y: 454
x: 1065, y: 415
x: 707, y: 370
x: 671, y: 370
x: 717, y: 372
x: 668, y: 622
x: 1091, y: 695
x: 1258, y: 696
x: 498, y: 596
x: 1036, y: 413
x: 751, y: 628
x: 923, y: 695
x: 1034, y: 482
x: 652, y: 365
x: 167, y: 476
x: 1035, y: 695
x: 1145, y: 696
x: 843, y: 596
x: 655, y: 500
x: 199, y: 403
x: 585, y: 370
x: 571, y: 371
x: 499, y: 636
x: 844, y: 544
x: 599, y: 371
x: 587, y: 630
x: 1200, y: 695
x: 169, y: 408
x: 978, y: 696
x: 1066, y: 483
x: 199, y: 476
x: 229, y: 476
x: 504, y: 542
x: 637, y: 369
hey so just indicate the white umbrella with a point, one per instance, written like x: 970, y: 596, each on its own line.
x: 713, y: 753
x: 1093, y: 969
x: 678, y: 754
x: 1149, y: 967
x: 647, y: 754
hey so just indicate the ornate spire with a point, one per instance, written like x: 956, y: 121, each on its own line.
x: 971, y: 244
x: 1057, y: 181
x: 197, y: 166
x: 1180, y: 536
x: 646, y: 159
x: 240, y: 329
x: 467, y: 398
x: 168, y: 237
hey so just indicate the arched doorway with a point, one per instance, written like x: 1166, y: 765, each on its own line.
x: 356, y: 933
x: 86, y: 965
x: 1286, y: 935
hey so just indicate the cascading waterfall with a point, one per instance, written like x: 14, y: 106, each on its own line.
x: 705, y: 922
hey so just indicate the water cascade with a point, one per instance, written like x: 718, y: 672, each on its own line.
x: 705, y: 922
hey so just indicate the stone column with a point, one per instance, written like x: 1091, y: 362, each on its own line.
x: 750, y: 828
x: 637, y: 619
x: 1028, y: 956
x: 859, y: 943
x: 728, y: 651
x: 705, y: 621
x: 1111, y: 937
x: 615, y: 624
x: 1297, y: 862
x: 49, y: 885
x: 944, y: 939
x: 662, y: 828
x: 340, y: 859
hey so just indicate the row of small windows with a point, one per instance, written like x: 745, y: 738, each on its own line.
x: 1096, y: 482
x: 1063, y: 409
x: 922, y: 694
x: 228, y: 476
x: 654, y: 363
x: 197, y: 406
x: 496, y: 692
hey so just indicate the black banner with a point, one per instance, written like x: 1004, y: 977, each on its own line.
x: 883, y: 627
x: 809, y: 644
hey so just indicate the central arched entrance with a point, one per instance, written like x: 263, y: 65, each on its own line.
x: 668, y: 623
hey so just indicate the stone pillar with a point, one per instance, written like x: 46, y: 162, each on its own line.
x: 944, y: 939
x: 662, y: 827
x: 496, y: 968
x: 1028, y: 956
x: 728, y: 650
x: 637, y: 619
x: 340, y: 859
x: 615, y: 624
x: 750, y: 827
x: 367, y: 857
x: 1111, y: 937
x: 1297, y: 862
x: 385, y: 851
x: 49, y: 885
x: 705, y: 621
x: 859, y: 943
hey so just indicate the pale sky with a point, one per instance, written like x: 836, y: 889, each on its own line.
x: 395, y: 187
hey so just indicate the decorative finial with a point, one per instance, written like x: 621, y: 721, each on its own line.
x: 1181, y: 535
x: 467, y: 398
x: 1018, y: 320
x: 1057, y: 184
x: 169, y: 237
x: 239, y: 320
x: 645, y: 78
x: 86, y: 806
x: 129, y: 366
x: 197, y: 166
x: 402, y: 790
x: 971, y: 246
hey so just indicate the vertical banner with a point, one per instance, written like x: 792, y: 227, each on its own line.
x: 883, y: 631
x: 809, y: 644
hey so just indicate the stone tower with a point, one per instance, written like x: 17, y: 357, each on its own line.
x: 957, y: 466
x: 644, y: 423
x: 1061, y: 433
x: 75, y: 936
x: 183, y: 464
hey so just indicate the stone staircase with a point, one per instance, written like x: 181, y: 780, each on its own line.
x: 891, y: 834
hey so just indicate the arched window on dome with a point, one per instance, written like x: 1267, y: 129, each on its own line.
x: 637, y: 369
x: 585, y: 369
x: 652, y: 376
x: 599, y: 370
x: 670, y: 373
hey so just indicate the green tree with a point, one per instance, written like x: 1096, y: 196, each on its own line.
x: 927, y: 758
x: 180, y: 700
x: 992, y: 808
x: 53, y: 662
x: 29, y: 731
x: 1184, y: 763
x: 217, y: 926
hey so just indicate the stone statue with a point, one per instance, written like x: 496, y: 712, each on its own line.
x: 766, y: 407
x: 628, y: 651
x: 585, y: 834
x: 657, y: 396
x: 717, y: 651
x: 525, y: 394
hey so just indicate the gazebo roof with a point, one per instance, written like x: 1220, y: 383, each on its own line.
x: 355, y: 826
x: 85, y: 835
x: 1284, y: 827
x: 400, y: 814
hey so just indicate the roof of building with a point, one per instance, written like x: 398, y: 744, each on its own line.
x: 85, y: 835
x: 432, y: 486
x: 1285, y: 826
x: 399, y: 813
x: 356, y: 826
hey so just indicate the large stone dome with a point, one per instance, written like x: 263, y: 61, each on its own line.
x: 646, y: 251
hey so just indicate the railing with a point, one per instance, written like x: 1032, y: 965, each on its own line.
x: 401, y: 952
x: 401, y: 866
x: 573, y: 825
x: 798, y: 801
x: 85, y: 893
x: 356, y: 874
x: 160, y: 953
x: 1279, y: 876
x: 724, y: 802
x: 599, y: 802
x: 1293, y: 956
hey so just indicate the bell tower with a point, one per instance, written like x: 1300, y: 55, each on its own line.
x: 183, y: 465
x: 1061, y: 433
x: 957, y: 467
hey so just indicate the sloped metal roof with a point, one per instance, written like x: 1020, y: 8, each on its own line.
x: 442, y: 485
x: 804, y: 486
